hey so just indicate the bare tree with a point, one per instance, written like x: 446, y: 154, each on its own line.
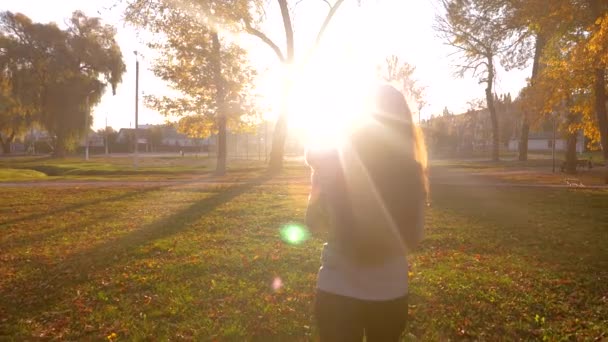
x: 403, y: 73
x: 476, y: 29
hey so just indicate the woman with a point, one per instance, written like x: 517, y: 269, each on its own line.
x: 369, y: 196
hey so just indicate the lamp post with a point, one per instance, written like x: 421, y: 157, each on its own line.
x: 265, y: 141
x: 136, y: 107
x: 86, y: 125
x: 553, y: 149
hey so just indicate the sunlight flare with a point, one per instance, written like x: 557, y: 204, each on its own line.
x: 294, y: 234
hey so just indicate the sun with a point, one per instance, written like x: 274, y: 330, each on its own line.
x: 327, y: 98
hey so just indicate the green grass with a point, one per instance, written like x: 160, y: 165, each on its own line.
x: 108, y: 166
x: 20, y: 175
x: 198, y: 262
x: 120, y: 168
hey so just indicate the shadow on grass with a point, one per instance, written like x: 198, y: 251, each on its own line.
x: 85, y: 204
x: 36, y: 237
x: 21, y: 298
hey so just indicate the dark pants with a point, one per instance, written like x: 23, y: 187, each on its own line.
x: 342, y: 318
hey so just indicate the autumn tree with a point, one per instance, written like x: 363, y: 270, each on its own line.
x: 572, y: 80
x: 533, y: 23
x: 16, y: 113
x: 211, y: 74
x: 596, y: 53
x: 17, y: 87
x: 68, y: 70
x: 478, y: 32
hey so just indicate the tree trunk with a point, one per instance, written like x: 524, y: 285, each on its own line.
x: 280, y: 131
x: 59, y: 150
x: 523, y: 141
x: 598, y: 8
x: 220, y: 168
x: 602, y: 115
x: 492, y: 109
x: 222, y: 151
x: 6, y: 144
x: 571, y: 153
x: 279, y: 136
x: 525, y: 126
x: 278, y: 143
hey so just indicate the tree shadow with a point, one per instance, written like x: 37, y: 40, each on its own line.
x: 33, y: 238
x: 56, y: 280
x: 84, y: 204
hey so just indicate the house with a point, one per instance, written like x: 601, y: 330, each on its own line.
x: 543, y: 141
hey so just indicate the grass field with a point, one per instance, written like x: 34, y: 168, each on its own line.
x: 202, y: 262
x: 121, y: 168
x: 104, y: 167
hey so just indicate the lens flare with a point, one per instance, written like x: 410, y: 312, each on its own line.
x: 277, y: 283
x: 294, y: 234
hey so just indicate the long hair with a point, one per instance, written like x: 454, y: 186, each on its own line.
x: 393, y: 111
x: 387, y: 181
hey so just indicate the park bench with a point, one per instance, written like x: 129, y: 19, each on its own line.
x: 580, y: 163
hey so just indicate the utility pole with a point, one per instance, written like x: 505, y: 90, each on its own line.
x: 136, y: 107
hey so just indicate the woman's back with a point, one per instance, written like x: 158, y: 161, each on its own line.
x: 385, y: 190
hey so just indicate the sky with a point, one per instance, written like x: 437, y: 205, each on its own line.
x: 359, y: 37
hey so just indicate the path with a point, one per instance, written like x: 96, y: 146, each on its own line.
x: 439, y: 176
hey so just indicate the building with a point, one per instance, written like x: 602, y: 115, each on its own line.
x: 543, y: 141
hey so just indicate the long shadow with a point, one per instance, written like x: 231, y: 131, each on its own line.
x: 81, y: 205
x: 75, y: 270
x: 31, y: 239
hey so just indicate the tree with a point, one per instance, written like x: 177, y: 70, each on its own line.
x: 446, y: 112
x: 17, y: 89
x: 571, y: 36
x: 402, y: 73
x: 477, y: 30
x: 596, y: 48
x: 574, y: 69
x: 534, y: 22
x: 243, y: 16
x: 13, y: 120
x: 280, y: 132
x: 210, y: 73
x: 508, y: 116
x: 68, y: 69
